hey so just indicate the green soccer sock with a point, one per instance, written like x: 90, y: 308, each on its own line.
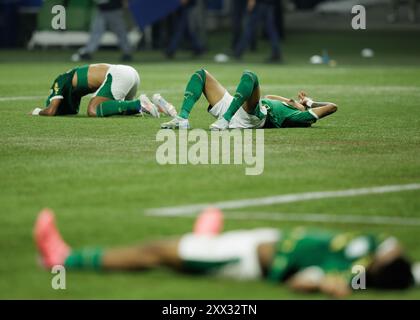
x: 247, y: 85
x: 193, y: 92
x: 85, y: 259
x: 113, y: 107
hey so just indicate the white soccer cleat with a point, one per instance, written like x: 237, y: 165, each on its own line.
x: 163, y: 105
x: 176, y: 123
x: 221, y: 124
x: 148, y: 106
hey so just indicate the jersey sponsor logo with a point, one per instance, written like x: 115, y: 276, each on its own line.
x: 56, y: 88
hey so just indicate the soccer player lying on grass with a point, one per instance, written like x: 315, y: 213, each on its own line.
x: 247, y: 109
x: 305, y: 260
x: 113, y: 86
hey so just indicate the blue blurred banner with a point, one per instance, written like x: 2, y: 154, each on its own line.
x: 146, y: 12
x: 31, y: 3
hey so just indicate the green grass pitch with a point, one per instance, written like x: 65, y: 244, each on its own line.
x: 99, y: 175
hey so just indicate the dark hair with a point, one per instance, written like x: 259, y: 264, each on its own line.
x: 394, y: 275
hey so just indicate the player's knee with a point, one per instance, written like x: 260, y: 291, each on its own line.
x: 252, y: 75
x: 202, y: 73
x: 91, y: 111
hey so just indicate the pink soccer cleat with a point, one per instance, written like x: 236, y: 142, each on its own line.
x: 51, y: 246
x: 148, y: 106
x: 209, y: 222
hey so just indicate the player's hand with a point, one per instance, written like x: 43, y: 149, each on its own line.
x: 302, y: 95
x: 335, y: 286
x: 35, y: 112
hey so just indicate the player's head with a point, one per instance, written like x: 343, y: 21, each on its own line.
x: 393, y: 275
x: 53, y: 90
x: 390, y: 269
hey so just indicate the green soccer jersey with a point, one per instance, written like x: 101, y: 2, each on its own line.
x: 332, y: 252
x: 62, y: 88
x: 281, y: 114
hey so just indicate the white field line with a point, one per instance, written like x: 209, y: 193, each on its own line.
x: 21, y: 98
x: 319, y: 218
x: 321, y: 88
x: 284, y: 198
x: 325, y: 218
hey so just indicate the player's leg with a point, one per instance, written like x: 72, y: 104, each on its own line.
x: 54, y: 250
x: 138, y: 257
x: 110, y: 99
x: 105, y: 107
x: 200, y: 82
x: 154, y: 254
x: 247, y: 94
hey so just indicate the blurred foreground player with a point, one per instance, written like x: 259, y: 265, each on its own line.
x: 113, y: 86
x: 247, y: 109
x: 305, y: 260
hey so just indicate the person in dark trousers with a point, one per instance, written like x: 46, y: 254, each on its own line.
x: 109, y: 14
x: 182, y: 28
x: 260, y: 10
x: 238, y: 15
x: 395, y: 6
x: 279, y: 12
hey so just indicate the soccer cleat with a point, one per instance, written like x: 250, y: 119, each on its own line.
x: 221, y: 124
x: 51, y: 246
x: 148, y: 106
x: 163, y: 105
x: 209, y: 222
x: 176, y: 123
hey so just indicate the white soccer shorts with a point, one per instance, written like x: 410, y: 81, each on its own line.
x: 241, y: 119
x: 235, y: 251
x: 124, y: 84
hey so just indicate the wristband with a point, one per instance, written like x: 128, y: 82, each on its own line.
x: 309, y: 102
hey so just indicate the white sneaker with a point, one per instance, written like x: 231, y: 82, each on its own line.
x: 176, y: 123
x: 148, y: 106
x: 221, y: 124
x: 163, y: 105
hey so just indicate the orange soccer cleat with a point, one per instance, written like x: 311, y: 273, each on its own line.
x: 51, y: 246
x: 209, y: 222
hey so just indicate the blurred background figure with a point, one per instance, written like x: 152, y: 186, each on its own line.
x: 182, y: 28
x: 239, y: 9
x: 260, y: 11
x: 109, y: 13
x: 395, y: 8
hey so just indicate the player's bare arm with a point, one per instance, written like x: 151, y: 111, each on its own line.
x: 289, y: 101
x: 309, y: 102
x: 51, y: 110
x: 313, y: 280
